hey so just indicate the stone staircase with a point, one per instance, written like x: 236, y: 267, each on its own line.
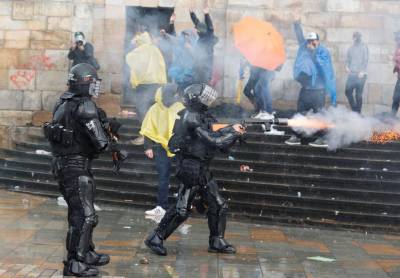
x: 356, y: 187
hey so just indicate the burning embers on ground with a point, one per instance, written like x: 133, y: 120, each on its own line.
x: 385, y: 137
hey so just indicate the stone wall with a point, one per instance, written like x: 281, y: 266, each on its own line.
x: 35, y: 36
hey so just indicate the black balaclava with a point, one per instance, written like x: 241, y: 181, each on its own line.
x: 169, y: 93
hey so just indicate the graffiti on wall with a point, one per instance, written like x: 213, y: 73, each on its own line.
x: 24, y: 79
x: 39, y: 62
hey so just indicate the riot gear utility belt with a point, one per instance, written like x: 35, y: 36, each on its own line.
x: 192, y: 172
x: 71, y: 164
x: 58, y: 134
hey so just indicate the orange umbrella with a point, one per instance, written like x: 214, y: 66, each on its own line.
x: 260, y: 43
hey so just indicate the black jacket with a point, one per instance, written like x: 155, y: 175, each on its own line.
x: 204, y: 49
x: 86, y: 56
x: 193, y: 136
x: 79, y: 115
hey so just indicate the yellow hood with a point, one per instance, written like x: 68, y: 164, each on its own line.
x: 142, y: 38
x: 159, y: 121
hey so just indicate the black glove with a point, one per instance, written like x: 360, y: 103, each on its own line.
x: 114, y: 126
x: 118, y: 158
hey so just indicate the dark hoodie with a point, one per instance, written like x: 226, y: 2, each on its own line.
x: 204, y: 48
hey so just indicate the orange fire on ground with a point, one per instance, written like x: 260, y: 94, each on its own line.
x: 309, y: 124
x: 385, y: 137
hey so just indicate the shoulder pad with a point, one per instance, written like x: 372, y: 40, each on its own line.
x: 67, y: 95
x: 191, y: 119
x: 87, y: 109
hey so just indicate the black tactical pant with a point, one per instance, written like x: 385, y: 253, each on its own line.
x: 77, y: 187
x: 196, y: 181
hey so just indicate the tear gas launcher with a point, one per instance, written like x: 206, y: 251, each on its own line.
x: 266, y: 125
x: 118, y: 155
x: 112, y: 126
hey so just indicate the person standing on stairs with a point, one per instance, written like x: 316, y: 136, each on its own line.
x: 313, y: 69
x: 77, y: 135
x: 396, y: 70
x: 157, y: 130
x: 204, y: 48
x: 147, y: 74
x: 356, y: 67
x: 195, y: 145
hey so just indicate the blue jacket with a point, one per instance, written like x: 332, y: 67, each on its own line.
x: 182, y: 67
x: 313, y: 69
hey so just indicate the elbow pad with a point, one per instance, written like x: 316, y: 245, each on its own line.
x: 226, y: 140
x: 97, y: 135
x: 191, y: 120
x: 217, y: 140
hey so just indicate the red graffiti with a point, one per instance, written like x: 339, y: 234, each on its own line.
x: 39, y: 62
x: 22, y: 78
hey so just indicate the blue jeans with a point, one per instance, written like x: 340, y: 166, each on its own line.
x: 163, y: 167
x: 262, y: 93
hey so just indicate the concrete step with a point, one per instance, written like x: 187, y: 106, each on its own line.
x: 146, y: 170
x: 283, y: 174
x: 139, y: 182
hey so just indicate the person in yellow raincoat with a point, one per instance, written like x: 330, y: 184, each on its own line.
x: 147, y: 73
x: 157, y: 129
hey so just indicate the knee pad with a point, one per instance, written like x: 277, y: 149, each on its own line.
x: 182, y: 213
x: 92, y: 220
x: 223, y: 210
x: 86, y: 194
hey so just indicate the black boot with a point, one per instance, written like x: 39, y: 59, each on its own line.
x: 155, y: 243
x: 220, y: 245
x: 96, y: 259
x: 79, y: 269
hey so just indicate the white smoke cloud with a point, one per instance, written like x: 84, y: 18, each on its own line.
x: 344, y: 127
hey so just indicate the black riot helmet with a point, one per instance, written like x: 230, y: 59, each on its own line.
x: 199, y: 97
x: 83, y: 80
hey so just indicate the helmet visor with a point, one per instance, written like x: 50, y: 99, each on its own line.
x: 95, y: 88
x: 208, y: 96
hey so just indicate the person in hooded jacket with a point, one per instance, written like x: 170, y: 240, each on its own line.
x: 396, y: 70
x: 166, y: 42
x: 157, y: 129
x: 314, y: 71
x: 356, y: 67
x: 147, y: 74
x: 182, y: 70
x: 204, y: 50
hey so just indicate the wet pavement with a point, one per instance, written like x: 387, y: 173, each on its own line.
x: 32, y: 235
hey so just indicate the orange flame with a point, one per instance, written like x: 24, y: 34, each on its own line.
x: 385, y: 137
x: 309, y: 123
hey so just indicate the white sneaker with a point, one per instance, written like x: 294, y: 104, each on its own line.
x: 155, y: 218
x: 274, y: 131
x: 184, y: 229
x: 256, y: 116
x: 266, y: 116
x: 61, y: 202
x: 155, y: 211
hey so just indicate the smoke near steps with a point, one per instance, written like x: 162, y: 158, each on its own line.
x: 341, y: 126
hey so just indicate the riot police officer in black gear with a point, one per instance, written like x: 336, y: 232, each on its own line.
x: 77, y: 136
x: 195, y: 145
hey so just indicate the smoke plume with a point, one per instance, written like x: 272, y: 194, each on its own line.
x: 342, y: 127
